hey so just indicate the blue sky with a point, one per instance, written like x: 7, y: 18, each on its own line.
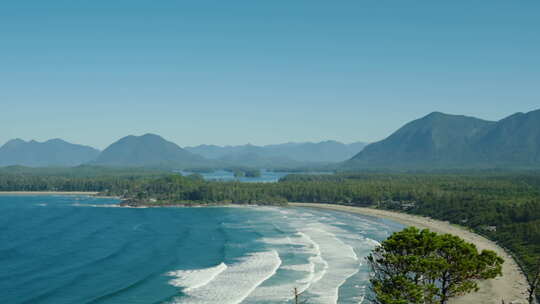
x: 233, y: 72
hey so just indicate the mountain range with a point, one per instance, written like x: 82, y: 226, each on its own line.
x: 441, y: 140
x: 281, y: 155
x: 54, y: 152
x: 436, y: 141
x: 152, y: 150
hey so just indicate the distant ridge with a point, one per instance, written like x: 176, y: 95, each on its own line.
x: 513, y: 140
x: 54, y: 152
x: 148, y: 150
x: 288, y: 154
x: 441, y: 140
x: 435, y: 141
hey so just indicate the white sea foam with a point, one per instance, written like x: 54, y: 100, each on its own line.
x: 192, y: 279
x: 236, y: 282
x: 307, y: 272
x: 318, y: 265
x: 331, y: 263
x: 277, y: 241
x: 299, y: 267
x: 340, y: 259
x: 320, y: 258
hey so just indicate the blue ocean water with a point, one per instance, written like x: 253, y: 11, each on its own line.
x: 66, y: 249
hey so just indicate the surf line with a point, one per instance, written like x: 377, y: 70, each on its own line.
x: 227, y: 284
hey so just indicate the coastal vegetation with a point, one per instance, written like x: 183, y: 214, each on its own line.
x: 414, y: 266
x: 502, y: 205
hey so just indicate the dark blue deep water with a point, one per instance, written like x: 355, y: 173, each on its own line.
x: 66, y: 249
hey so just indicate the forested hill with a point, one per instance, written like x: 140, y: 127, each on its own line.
x: 451, y: 141
x: 513, y: 140
x: 54, y: 152
x: 148, y: 150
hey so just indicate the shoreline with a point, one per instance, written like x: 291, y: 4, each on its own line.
x: 511, y: 287
x: 62, y: 193
x: 48, y: 193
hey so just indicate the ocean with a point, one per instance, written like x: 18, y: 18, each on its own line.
x: 66, y: 249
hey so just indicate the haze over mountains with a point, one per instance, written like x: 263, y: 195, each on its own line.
x: 453, y: 141
x: 148, y: 150
x: 436, y: 141
x: 288, y: 154
x: 54, y: 152
x: 152, y: 150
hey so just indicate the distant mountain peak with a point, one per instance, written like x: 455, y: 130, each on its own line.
x: 14, y: 142
x: 148, y: 150
x: 440, y: 140
x: 329, y: 141
x: 445, y: 116
x: 437, y: 114
x: 290, y: 154
x: 54, y: 152
x: 56, y: 141
x: 150, y: 135
x: 521, y: 114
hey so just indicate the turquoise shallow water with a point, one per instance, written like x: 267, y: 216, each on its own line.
x: 58, y: 249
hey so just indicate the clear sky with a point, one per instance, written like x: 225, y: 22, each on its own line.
x: 233, y: 72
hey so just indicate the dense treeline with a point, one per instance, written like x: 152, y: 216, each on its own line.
x: 81, y: 171
x: 505, y: 206
x: 82, y: 178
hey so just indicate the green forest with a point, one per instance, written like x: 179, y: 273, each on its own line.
x: 502, y: 205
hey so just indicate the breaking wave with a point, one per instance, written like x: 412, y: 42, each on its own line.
x: 192, y: 279
x: 236, y: 281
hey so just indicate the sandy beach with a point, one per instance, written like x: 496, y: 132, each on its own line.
x: 512, y: 286
x: 47, y: 193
